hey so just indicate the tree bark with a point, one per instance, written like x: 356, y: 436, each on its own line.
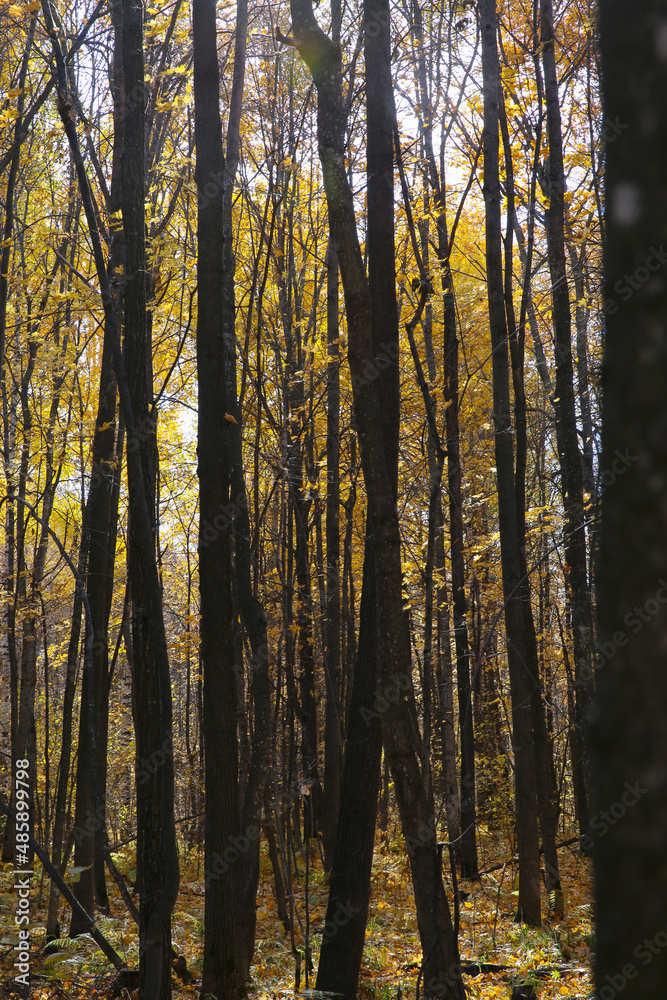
x: 223, y: 974
x: 157, y: 855
x: 629, y: 732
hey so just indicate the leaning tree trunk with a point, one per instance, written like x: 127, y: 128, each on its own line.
x: 440, y: 969
x: 629, y: 732
x: 157, y: 854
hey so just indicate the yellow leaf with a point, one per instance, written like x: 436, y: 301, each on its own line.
x: 231, y: 419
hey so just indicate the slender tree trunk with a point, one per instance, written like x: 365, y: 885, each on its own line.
x: 223, y: 973
x: 157, y: 857
x: 332, y: 723
x: 60, y: 806
x: 253, y: 617
x: 525, y: 781
x: 160, y: 887
x: 350, y: 882
x: 9, y: 421
x: 566, y: 425
x: 468, y: 844
x: 544, y: 765
x: 441, y: 975
x: 467, y: 840
x: 89, y: 828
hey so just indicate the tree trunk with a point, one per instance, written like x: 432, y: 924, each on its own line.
x: 157, y: 856
x: 544, y: 766
x: 467, y: 837
x: 252, y: 613
x: 350, y: 882
x: 332, y: 722
x: 441, y: 974
x: 155, y: 803
x: 629, y: 732
x: 223, y: 973
x: 525, y: 781
x: 566, y: 424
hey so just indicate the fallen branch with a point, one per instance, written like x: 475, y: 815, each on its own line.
x: 69, y: 896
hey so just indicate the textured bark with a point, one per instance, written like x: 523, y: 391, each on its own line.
x: 629, y: 734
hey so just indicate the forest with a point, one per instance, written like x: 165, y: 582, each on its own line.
x: 302, y: 321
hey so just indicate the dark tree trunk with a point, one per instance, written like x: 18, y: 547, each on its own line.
x: 564, y: 403
x: 223, y: 973
x: 252, y: 613
x: 525, y: 781
x: 440, y: 970
x: 467, y: 844
x: 60, y: 805
x: 11, y: 537
x: 629, y: 732
x: 332, y: 723
x: 89, y: 826
x: 159, y: 876
x: 544, y: 766
x: 350, y: 883
x: 157, y: 857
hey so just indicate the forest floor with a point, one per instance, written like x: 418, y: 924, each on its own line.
x: 556, y: 958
